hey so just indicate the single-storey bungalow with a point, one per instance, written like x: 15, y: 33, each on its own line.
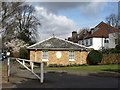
x: 55, y: 50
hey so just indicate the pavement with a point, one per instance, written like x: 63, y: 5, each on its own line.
x: 22, y: 78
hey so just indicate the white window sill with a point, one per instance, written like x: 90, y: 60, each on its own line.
x: 45, y: 60
x: 71, y: 59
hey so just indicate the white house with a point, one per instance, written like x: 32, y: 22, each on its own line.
x: 95, y: 43
x: 98, y: 37
x: 113, y: 39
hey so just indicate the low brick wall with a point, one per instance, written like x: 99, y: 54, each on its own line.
x: 110, y: 59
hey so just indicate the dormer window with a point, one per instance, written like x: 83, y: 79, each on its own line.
x: 95, y: 29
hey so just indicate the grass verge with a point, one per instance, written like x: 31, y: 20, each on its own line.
x: 111, y: 68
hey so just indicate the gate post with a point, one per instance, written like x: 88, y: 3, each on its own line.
x: 23, y: 62
x: 32, y: 66
x: 8, y: 68
x: 41, y: 72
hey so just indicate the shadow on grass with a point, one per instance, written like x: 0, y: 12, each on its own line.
x: 112, y: 70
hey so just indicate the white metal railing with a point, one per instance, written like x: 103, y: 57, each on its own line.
x: 22, y: 62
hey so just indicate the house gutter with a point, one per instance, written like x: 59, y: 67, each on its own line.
x: 61, y: 49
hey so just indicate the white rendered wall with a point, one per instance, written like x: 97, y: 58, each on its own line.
x: 112, y: 38
x: 98, y: 43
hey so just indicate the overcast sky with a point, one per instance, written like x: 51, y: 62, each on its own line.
x: 61, y: 18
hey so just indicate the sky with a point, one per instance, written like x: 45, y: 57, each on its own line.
x: 62, y: 17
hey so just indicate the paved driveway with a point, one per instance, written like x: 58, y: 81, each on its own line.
x: 21, y: 78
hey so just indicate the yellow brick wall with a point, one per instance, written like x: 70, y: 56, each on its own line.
x: 32, y: 55
x: 52, y: 59
x: 84, y: 57
x: 64, y: 60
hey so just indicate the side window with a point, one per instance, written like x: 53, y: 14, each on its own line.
x: 90, y: 41
x: 71, y: 56
x: 45, y: 55
x: 86, y: 42
x: 82, y: 42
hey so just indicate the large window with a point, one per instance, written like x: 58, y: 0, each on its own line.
x: 45, y: 55
x: 71, y: 55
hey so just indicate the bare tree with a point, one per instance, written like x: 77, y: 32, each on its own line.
x: 7, y: 22
x: 18, y: 21
x: 112, y: 20
x: 27, y: 24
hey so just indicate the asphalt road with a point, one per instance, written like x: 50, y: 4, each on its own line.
x: 21, y: 78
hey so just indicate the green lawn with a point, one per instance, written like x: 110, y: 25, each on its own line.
x: 112, y: 67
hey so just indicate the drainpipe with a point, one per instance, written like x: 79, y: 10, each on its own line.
x: 102, y: 44
x: 35, y: 54
x: 81, y: 56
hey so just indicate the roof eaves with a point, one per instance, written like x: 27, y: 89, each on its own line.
x: 78, y: 49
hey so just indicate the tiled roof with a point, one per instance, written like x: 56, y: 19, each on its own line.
x: 56, y: 43
x: 102, y: 30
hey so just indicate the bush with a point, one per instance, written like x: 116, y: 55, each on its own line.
x: 94, y: 57
x: 117, y: 47
x: 23, y: 53
x: 115, y: 50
